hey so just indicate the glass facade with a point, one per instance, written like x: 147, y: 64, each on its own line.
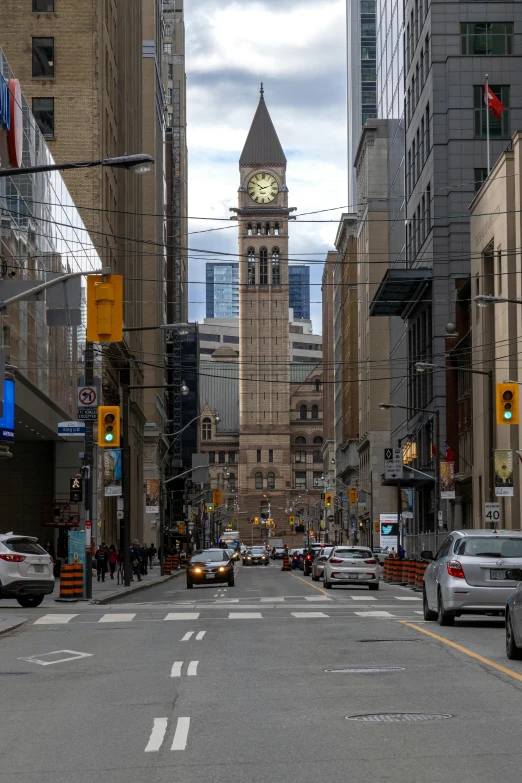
x: 299, y: 290
x: 222, y: 290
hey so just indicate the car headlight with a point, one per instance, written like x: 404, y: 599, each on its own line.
x: 262, y: 557
x: 197, y: 570
x: 221, y: 568
x: 249, y: 558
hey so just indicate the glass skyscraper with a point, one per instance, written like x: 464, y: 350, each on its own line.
x: 299, y: 290
x: 222, y: 289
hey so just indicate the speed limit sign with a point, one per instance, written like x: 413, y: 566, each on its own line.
x: 492, y: 513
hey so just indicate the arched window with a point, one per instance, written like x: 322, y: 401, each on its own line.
x: 249, y: 229
x: 270, y: 481
x: 263, y: 266
x: 276, y: 229
x: 302, y: 412
x: 251, y: 269
x: 317, y: 385
x: 276, y: 273
x: 300, y: 441
x: 258, y: 229
x: 318, y: 439
x: 232, y: 482
x: 267, y: 229
x: 316, y: 456
x: 315, y: 412
x: 206, y: 429
x: 259, y: 481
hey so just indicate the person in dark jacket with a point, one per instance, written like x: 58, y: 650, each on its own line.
x: 144, y: 559
x: 152, y: 554
x: 113, y: 559
x: 102, y: 558
x: 135, y: 559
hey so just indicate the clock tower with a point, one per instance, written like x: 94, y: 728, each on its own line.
x: 264, y: 368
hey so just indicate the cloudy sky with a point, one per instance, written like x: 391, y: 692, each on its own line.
x: 297, y: 49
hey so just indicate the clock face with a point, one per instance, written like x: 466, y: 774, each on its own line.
x: 262, y: 188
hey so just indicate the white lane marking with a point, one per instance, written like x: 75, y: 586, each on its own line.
x: 117, y: 618
x: 182, y: 616
x: 309, y: 614
x: 245, y: 615
x: 200, y: 636
x: 271, y: 600
x: 52, y: 619
x: 362, y: 598
x: 317, y: 598
x: 176, y: 669
x: 192, y: 669
x: 157, y: 734
x: 187, y: 636
x: 407, y: 598
x: 418, y: 611
x: 373, y: 614
x: 181, y: 734
x: 224, y: 600
x: 72, y: 655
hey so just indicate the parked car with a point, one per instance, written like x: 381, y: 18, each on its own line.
x: 473, y: 572
x: 309, y: 556
x: 381, y: 553
x: 208, y: 566
x: 278, y: 552
x: 351, y: 565
x: 318, y: 563
x: 296, y: 557
x: 26, y: 570
x: 514, y: 620
x: 256, y: 555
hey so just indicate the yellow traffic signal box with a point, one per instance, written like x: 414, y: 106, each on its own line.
x: 352, y: 495
x: 105, y: 308
x: 256, y: 520
x: 217, y: 497
x: 181, y: 528
x: 109, y: 426
x: 291, y: 521
x: 507, y: 403
x: 328, y: 500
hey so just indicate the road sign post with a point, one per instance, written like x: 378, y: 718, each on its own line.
x: 393, y: 466
x: 492, y: 514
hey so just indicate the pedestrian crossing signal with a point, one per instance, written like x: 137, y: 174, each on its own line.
x: 256, y: 520
x: 328, y: 500
x: 76, y: 489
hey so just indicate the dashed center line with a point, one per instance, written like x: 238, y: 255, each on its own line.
x: 187, y: 636
x: 181, y: 734
x: 176, y: 669
x: 157, y: 735
x: 200, y: 636
x: 192, y: 669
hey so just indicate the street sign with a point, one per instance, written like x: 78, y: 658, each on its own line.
x: 492, y: 513
x: 393, y: 467
x: 71, y: 428
x: 331, y: 518
x: 87, y: 403
x: 76, y: 489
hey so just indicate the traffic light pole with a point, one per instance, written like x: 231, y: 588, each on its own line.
x: 125, y: 524
x: 89, y: 483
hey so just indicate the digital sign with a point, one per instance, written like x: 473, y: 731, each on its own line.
x: 7, y: 420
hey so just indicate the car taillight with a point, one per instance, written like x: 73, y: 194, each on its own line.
x: 371, y: 562
x: 333, y: 560
x: 13, y: 558
x: 309, y: 557
x: 455, y: 569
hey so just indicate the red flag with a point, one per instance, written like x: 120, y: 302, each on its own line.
x: 492, y: 102
x: 450, y: 454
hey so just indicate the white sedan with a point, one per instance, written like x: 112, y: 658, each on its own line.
x: 351, y: 565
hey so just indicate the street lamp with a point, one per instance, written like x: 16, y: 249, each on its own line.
x: 483, y: 300
x: 139, y: 163
x: 423, y: 366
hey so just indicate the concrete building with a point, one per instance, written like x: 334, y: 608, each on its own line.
x: 299, y: 290
x: 496, y: 267
x: 222, y: 289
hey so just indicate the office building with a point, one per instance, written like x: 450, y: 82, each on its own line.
x: 222, y: 290
x: 299, y: 290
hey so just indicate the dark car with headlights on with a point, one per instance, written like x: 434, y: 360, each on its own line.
x: 256, y: 555
x: 208, y: 566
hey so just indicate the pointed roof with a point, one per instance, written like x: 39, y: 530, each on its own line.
x: 262, y: 145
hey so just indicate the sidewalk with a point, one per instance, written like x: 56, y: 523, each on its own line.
x: 105, y: 592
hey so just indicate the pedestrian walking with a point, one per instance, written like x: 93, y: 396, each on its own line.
x: 152, y: 554
x: 144, y: 559
x: 113, y: 559
x: 49, y: 548
x: 102, y: 557
x: 135, y: 559
x: 393, y: 553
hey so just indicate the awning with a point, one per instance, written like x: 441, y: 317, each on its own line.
x: 411, y: 478
x: 398, y: 289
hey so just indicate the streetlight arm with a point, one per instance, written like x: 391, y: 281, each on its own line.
x: 122, y: 162
x: 42, y: 287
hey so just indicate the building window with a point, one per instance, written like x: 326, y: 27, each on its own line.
x: 170, y: 120
x: 232, y: 457
x: 368, y: 52
x: 270, y: 481
x: 300, y: 479
x: 259, y: 455
x: 221, y: 457
x: 170, y: 71
x: 302, y: 412
x: 316, y: 456
x: 318, y: 439
x: 300, y: 456
x: 270, y: 455
x: 481, y: 176
x: 43, y: 6
x: 208, y: 337
x: 232, y: 482
x: 251, y: 269
x: 43, y: 57
x: 496, y: 127
x: 263, y: 266
x: 483, y: 38
x: 276, y: 273
x: 206, y: 429
x: 300, y: 441
x: 317, y: 384
x: 315, y: 412
x: 259, y: 481
x: 211, y: 457
x: 167, y: 48
x: 230, y: 338
x: 43, y: 111
x: 169, y: 95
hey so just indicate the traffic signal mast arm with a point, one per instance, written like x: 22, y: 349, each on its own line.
x: 43, y: 286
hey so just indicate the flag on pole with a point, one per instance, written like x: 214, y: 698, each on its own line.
x: 492, y: 102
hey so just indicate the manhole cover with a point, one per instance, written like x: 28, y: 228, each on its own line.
x: 366, y: 670
x: 398, y: 717
x: 377, y: 641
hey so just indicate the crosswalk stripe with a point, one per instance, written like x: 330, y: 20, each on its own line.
x: 54, y: 619
x: 316, y: 598
x: 182, y: 616
x: 245, y: 615
x: 271, y: 600
x: 192, y: 669
x: 187, y: 636
x: 309, y: 614
x: 363, y: 598
x: 176, y: 669
x: 181, y: 734
x: 117, y: 618
x: 373, y: 614
x: 407, y: 598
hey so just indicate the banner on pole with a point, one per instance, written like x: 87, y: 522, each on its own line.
x: 447, y: 480
x: 503, y: 472
x: 152, y: 496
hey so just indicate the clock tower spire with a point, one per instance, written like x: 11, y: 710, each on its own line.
x: 264, y: 391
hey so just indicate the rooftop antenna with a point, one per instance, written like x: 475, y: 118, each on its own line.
x: 262, y: 92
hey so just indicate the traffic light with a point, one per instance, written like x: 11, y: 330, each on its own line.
x: 269, y: 522
x: 291, y: 521
x: 507, y: 403
x: 352, y: 494
x: 105, y: 308
x: 76, y: 489
x: 256, y: 520
x: 217, y: 497
x: 328, y: 500
x: 181, y: 528
x: 109, y: 426
x: 210, y: 507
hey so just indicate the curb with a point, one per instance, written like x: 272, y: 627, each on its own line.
x: 106, y: 599
x: 10, y: 626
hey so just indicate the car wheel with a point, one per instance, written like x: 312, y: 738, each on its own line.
x: 428, y: 614
x: 266, y: 564
x: 231, y: 582
x: 328, y: 585
x: 373, y: 586
x: 189, y: 585
x: 30, y: 601
x: 443, y: 617
x: 315, y: 578
x: 513, y: 652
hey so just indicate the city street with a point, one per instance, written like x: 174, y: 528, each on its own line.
x: 233, y: 683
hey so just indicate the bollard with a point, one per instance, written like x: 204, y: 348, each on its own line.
x: 419, y: 576
x: 386, y: 570
x: 175, y: 562
x: 68, y: 585
x: 286, y: 562
x: 167, y: 568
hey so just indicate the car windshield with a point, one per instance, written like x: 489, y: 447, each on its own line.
x: 355, y: 554
x: 490, y: 547
x: 279, y: 549
x: 205, y: 557
x: 24, y: 546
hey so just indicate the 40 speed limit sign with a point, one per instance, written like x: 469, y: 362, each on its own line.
x: 492, y: 513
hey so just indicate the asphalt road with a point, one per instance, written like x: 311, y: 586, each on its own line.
x: 223, y: 683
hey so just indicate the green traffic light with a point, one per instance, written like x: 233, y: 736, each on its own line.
x: 109, y: 437
x: 508, y: 415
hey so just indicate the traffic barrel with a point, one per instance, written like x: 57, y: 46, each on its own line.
x: 419, y: 575
x: 396, y: 571
x: 68, y: 585
x: 167, y: 568
x: 286, y: 562
x: 386, y: 570
x: 412, y: 568
x: 175, y: 562
x: 77, y: 577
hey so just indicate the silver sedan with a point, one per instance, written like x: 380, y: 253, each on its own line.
x: 473, y: 572
x: 351, y: 565
x: 318, y: 564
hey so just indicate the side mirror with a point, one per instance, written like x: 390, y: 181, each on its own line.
x: 426, y: 554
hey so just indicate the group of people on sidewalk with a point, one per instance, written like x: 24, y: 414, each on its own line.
x: 142, y: 558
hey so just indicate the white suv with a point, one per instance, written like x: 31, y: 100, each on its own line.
x: 26, y: 570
